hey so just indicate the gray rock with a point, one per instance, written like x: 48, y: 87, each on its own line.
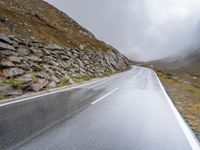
x: 53, y: 47
x: 43, y: 74
x: 71, y: 81
x: 60, y: 52
x: 36, y: 67
x: 8, y: 90
x: 86, y: 62
x: 52, y: 85
x: 51, y: 58
x: 24, y: 66
x: 8, y: 53
x: 46, y: 52
x: 37, y: 52
x: 70, y: 62
x: 2, y: 18
x: 35, y: 59
x: 23, y: 51
x: 14, y: 59
x: 75, y: 66
x: 55, y: 79
x: 68, y: 53
x: 52, y: 52
x: 5, y: 46
x: 75, y: 51
x: 58, y: 73
x: 81, y: 64
x: 63, y: 72
x: 65, y: 57
x: 85, y: 57
x: 26, y: 78
x: 4, y: 38
x: 48, y: 69
x: 81, y: 46
x: 11, y: 72
x: 6, y: 64
x: 53, y: 63
x: 36, y: 87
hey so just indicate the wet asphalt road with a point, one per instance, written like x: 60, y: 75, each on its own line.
x: 131, y: 114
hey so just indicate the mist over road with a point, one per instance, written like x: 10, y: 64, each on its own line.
x: 132, y: 113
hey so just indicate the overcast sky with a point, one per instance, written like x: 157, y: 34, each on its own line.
x: 140, y: 29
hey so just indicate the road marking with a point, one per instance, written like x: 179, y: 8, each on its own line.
x: 50, y: 93
x: 187, y: 131
x: 105, y: 96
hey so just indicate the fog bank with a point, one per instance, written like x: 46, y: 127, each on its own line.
x: 140, y: 29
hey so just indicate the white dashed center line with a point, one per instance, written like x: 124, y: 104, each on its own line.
x: 105, y: 96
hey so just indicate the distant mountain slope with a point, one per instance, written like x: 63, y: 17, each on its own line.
x: 188, y: 62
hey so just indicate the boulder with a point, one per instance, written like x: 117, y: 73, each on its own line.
x: 14, y: 59
x: 65, y: 57
x: 53, y: 47
x: 36, y: 87
x: 81, y: 46
x: 8, y: 53
x: 11, y: 72
x: 35, y: 59
x: 8, y: 90
x: 6, y: 64
x: 4, y: 38
x: 52, y: 85
x: 24, y: 66
x: 81, y: 64
x: 23, y: 51
x: 37, y: 52
x: 51, y: 62
x: 46, y: 52
x: 36, y: 67
x: 5, y: 46
x: 71, y: 81
x: 26, y: 78
x: 55, y: 79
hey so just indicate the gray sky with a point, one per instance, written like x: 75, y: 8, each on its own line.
x: 140, y: 29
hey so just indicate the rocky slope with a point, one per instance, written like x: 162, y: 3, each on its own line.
x: 187, y: 62
x: 42, y: 48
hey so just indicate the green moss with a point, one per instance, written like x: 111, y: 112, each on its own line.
x: 63, y: 82
x: 34, y: 79
x: 81, y: 79
x: 2, y: 97
x: 15, y: 83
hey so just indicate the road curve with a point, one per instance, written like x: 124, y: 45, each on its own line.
x: 133, y: 113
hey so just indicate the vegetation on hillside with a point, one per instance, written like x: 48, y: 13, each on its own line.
x: 184, y: 90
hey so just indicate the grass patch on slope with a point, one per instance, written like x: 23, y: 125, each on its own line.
x: 185, y: 96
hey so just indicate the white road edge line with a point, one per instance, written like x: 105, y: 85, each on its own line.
x: 105, y: 96
x: 50, y: 93
x: 187, y: 131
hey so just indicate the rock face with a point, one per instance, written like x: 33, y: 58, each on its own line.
x: 47, y: 49
x: 32, y: 66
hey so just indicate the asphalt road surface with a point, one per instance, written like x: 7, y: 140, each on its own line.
x: 133, y: 113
